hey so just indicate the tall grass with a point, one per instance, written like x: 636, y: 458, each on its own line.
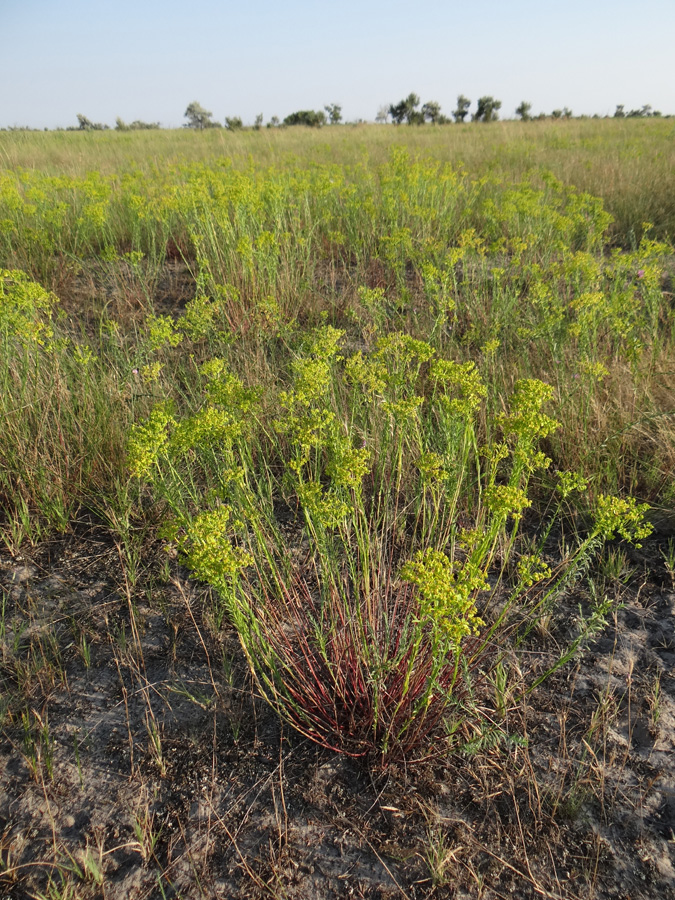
x: 627, y: 162
x: 515, y: 274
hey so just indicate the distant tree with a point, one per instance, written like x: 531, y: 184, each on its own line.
x: 382, y: 115
x: 233, y: 123
x: 567, y: 112
x: 619, y: 113
x: 406, y: 111
x: 397, y: 112
x: 197, y: 117
x: 309, y: 117
x: 85, y: 124
x: 334, y: 113
x: 487, y: 110
x: 30, y: 128
x: 258, y: 122
x: 645, y: 111
x: 462, y: 110
x: 136, y: 125
x: 412, y: 115
x: 432, y: 112
x: 273, y: 122
x: 557, y: 113
x: 524, y: 111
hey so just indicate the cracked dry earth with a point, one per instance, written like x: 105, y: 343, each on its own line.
x: 136, y: 761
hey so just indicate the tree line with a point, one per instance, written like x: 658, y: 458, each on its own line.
x: 200, y: 118
x: 410, y: 111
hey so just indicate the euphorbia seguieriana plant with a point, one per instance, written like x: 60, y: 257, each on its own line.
x: 402, y: 579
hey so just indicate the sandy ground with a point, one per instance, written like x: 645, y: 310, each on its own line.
x: 137, y: 762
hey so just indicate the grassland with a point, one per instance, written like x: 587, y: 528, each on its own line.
x: 629, y: 164
x: 364, y: 431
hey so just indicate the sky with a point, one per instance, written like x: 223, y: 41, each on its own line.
x: 148, y: 59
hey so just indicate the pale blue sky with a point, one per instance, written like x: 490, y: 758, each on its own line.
x: 147, y: 59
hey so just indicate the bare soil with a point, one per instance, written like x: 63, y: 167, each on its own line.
x: 137, y: 762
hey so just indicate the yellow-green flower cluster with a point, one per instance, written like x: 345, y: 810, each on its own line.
x: 324, y: 508
x: 495, y: 453
x: 621, y: 516
x: 370, y: 374
x: 305, y: 420
x: 436, y: 287
x: 348, y: 464
x: 208, y: 550
x: 404, y: 411
x: 312, y: 379
x: 83, y: 355
x: 307, y: 430
x: 471, y: 240
x: 447, y: 591
x: 373, y: 300
x: 244, y: 250
x: 312, y: 373
x: 325, y: 343
x: 464, y: 378
x: 227, y: 390
x: 197, y: 320
x: 594, y: 370
x: 504, y: 500
x: 490, y: 347
x: 209, y: 427
x: 25, y: 308
x: 151, y: 372
x: 266, y: 244
x: 581, y: 268
x: 532, y: 569
x: 134, y: 258
x: 148, y: 439
x: 398, y: 351
x: 162, y: 332
x: 525, y: 419
x: 568, y: 482
x: 532, y: 460
x: 547, y: 307
x: 589, y: 308
x: 431, y: 467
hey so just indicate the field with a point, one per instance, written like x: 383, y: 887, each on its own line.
x: 338, y: 512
